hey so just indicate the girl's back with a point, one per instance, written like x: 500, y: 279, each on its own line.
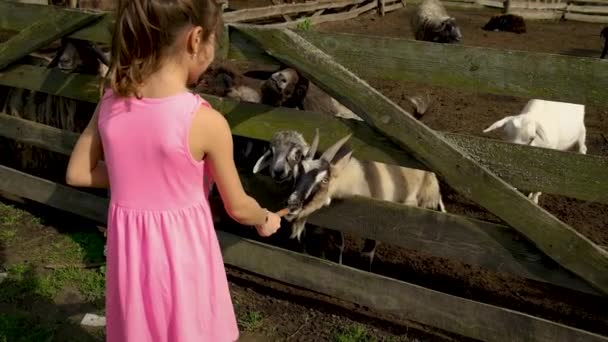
x: 147, y: 152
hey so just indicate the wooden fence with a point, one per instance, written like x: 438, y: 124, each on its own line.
x: 593, y: 11
x: 551, y: 251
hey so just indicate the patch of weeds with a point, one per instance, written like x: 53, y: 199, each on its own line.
x: 7, y: 234
x: 304, y: 25
x: 353, y: 333
x: 19, y: 327
x: 10, y: 215
x: 90, y: 283
x: 251, y: 320
x: 20, y: 283
x: 91, y: 244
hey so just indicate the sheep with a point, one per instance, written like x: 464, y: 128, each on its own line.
x: 604, y: 34
x: 507, y: 23
x: 338, y: 175
x: 225, y: 81
x: 57, y: 111
x: 432, y: 23
x: 546, y: 124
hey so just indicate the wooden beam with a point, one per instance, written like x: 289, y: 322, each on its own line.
x: 355, y: 12
x: 385, y: 295
x: 558, y: 240
x: 42, y: 33
x: 564, y: 173
x: 588, y: 18
x: 277, y: 10
x: 495, y: 247
x: 485, y: 70
x: 482, y: 70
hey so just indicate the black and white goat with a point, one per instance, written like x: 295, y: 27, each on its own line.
x: 432, y: 23
x: 338, y: 175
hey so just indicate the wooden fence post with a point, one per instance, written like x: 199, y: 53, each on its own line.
x: 56, y: 25
x: 559, y: 241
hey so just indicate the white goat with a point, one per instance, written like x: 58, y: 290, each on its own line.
x: 547, y: 124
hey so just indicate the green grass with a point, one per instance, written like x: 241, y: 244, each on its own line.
x: 251, y: 320
x: 353, y: 333
x: 304, y: 25
x: 31, y: 294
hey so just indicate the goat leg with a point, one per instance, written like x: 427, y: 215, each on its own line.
x: 367, y: 253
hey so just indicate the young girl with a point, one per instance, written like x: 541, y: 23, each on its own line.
x: 165, y: 278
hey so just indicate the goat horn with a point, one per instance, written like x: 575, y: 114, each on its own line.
x: 331, y: 152
x: 313, y: 147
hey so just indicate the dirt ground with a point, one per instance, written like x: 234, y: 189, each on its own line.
x: 468, y: 112
x: 45, y: 292
x: 274, y: 312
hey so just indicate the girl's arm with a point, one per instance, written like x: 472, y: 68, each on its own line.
x: 211, y: 136
x: 85, y: 168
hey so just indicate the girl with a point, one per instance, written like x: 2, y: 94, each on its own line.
x: 165, y: 278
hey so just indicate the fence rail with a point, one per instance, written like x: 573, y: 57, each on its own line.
x: 493, y: 246
x: 553, y: 252
x: 385, y: 295
x: 556, y: 172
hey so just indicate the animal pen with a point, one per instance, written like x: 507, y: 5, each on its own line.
x: 531, y: 244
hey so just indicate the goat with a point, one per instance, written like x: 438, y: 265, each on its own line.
x: 507, y: 23
x: 604, y: 34
x: 287, y: 149
x: 288, y: 88
x: 546, y: 124
x: 338, y: 175
x: 432, y: 23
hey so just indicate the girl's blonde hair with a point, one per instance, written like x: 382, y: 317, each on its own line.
x: 144, y: 29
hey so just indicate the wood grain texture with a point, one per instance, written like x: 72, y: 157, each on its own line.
x: 41, y: 33
x: 527, y: 168
x: 495, y: 247
x: 482, y: 70
x: 558, y: 240
x: 277, y: 10
x: 399, y: 299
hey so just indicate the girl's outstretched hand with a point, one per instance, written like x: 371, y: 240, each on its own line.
x: 272, y: 224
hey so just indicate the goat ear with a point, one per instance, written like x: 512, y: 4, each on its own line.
x: 263, y: 162
x: 331, y: 152
x: 313, y: 147
x: 498, y: 124
x: 340, y: 163
x: 540, y: 133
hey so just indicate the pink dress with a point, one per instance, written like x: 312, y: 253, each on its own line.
x: 165, y: 277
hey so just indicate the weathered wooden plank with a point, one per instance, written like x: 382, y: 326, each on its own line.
x: 536, y: 14
x: 495, y: 247
x: 502, y: 72
x: 52, y: 194
x: 328, y: 17
x: 588, y: 9
x: 277, y: 10
x: 41, y: 33
x: 475, y: 242
x: 558, y: 240
x: 588, y: 18
x: 564, y: 173
x: 382, y: 294
x: 497, y: 71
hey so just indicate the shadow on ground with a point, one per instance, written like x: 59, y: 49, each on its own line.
x: 37, y: 303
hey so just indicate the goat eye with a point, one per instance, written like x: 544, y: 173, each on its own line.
x: 325, y: 180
